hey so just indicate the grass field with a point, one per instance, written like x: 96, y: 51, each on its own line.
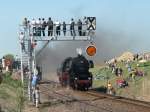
x: 102, y: 75
x: 11, y: 94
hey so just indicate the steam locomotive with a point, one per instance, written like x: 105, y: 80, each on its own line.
x: 74, y: 72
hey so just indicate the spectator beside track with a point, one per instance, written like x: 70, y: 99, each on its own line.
x: 1, y: 68
x: 3, y: 63
x: 118, y: 71
x: 113, y: 66
x: 132, y: 74
x: 34, y: 81
x: 33, y: 94
x: 37, y: 96
x: 136, y: 57
x: 109, y: 87
x: 128, y: 66
x: 39, y: 72
x: 16, y: 62
x: 50, y: 27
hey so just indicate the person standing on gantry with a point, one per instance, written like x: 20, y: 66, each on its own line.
x: 64, y: 28
x: 25, y: 23
x: 38, y: 27
x: 33, y: 25
x: 44, y: 24
x: 80, y: 27
x: 85, y: 26
x: 21, y: 38
x: 72, y: 28
x: 50, y: 27
x: 57, y: 24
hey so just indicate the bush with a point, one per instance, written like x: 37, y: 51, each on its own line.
x: 17, y: 88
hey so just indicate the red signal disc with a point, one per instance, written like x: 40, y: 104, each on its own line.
x: 91, y: 50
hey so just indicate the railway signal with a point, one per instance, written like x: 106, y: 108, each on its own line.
x: 91, y: 50
x: 91, y: 23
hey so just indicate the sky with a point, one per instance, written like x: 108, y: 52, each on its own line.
x: 120, y: 20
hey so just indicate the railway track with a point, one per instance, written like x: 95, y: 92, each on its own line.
x: 119, y: 99
x: 94, y: 100
x: 70, y: 99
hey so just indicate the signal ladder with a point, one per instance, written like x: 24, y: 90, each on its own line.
x: 25, y: 56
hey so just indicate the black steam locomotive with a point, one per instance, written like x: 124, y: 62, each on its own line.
x: 75, y: 72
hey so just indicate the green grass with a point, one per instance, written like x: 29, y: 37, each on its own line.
x: 3, y: 94
x: 104, y: 74
x: 11, y: 94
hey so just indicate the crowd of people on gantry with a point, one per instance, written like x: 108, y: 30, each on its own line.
x: 39, y: 26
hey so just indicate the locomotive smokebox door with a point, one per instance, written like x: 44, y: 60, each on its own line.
x: 91, y: 64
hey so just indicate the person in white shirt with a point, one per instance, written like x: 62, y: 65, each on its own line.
x: 84, y: 26
x: 3, y: 62
x: 33, y: 25
x: 38, y: 27
x: 57, y: 24
x: 25, y: 23
x: 21, y: 37
x: 35, y: 71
